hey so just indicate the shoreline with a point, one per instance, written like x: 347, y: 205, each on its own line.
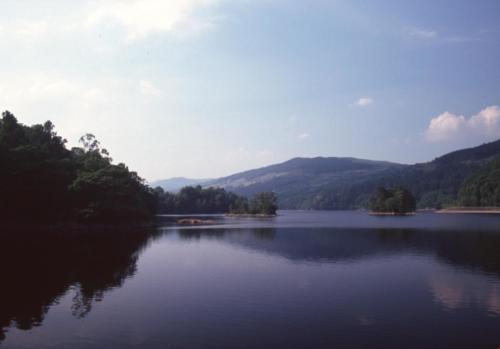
x: 194, y: 221
x: 373, y: 213
x: 480, y: 210
x: 249, y: 215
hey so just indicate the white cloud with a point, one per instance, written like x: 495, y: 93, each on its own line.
x: 422, y: 33
x: 447, y: 126
x: 149, y: 89
x: 23, y: 31
x: 364, y: 102
x: 31, y: 29
x: 140, y: 19
x: 116, y: 20
x: 303, y: 136
x: 487, y: 120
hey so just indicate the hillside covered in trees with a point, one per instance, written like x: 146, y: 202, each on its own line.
x: 483, y: 188
x: 347, y: 183
x: 43, y: 181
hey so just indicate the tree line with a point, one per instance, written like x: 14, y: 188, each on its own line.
x: 41, y: 180
x: 195, y: 199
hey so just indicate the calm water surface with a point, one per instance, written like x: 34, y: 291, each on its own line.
x: 300, y: 280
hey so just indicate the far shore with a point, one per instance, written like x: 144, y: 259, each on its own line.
x: 485, y: 210
x: 375, y: 213
x: 250, y: 215
x: 194, y: 221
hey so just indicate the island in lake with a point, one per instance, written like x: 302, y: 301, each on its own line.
x: 394, y: 202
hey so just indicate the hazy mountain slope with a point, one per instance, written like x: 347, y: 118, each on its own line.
x: 297, y: 181
x: 176, y: 183
x: 341, y: 183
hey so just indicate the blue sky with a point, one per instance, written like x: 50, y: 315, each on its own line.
x: 206, y: 88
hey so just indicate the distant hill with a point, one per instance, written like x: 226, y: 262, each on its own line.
x: 343, y: 183
x: 176, y: 183
x: 438, y: 182
x: 305, y: 183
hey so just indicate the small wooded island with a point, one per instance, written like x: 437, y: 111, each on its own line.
x: 395, y: 202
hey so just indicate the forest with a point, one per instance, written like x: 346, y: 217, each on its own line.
x: 196, y: 199
x: 483, y: 188
x: 43, y: 181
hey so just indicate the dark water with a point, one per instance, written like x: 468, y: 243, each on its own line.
x: 301, y: 280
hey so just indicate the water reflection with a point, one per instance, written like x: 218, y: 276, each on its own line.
x: 455, y: 291
x: 271, y: 282
x: 40, y: 266
x: 468, y: 249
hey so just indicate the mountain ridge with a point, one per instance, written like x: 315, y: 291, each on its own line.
x: 348, y: 182
x: 174, y: 184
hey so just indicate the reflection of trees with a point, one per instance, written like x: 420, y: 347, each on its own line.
x: 39, y: 267
x: 197, y: 234
x: 262, y: 233
x: 469, y: 249
x: 475, y: 250
x: 259, y: 233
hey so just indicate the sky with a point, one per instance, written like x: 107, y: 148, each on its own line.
x: 207, y: 88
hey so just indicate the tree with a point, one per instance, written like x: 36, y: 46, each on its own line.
x: 398, y: 200
x: 42, y: 181
x: 112, y: 193
x: 404, y: 201
x: 264, y: 203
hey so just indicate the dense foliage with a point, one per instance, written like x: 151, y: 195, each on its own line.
x: 42, y: 181
x: 213, y: 200
x: 483, y: 188
x: 195, y: 200
x: 262, y: 203
x: 397, y: 201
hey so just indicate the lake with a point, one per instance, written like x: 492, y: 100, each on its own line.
x: 299, y: 280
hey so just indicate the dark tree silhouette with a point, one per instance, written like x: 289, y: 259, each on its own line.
x: 42, y: 181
